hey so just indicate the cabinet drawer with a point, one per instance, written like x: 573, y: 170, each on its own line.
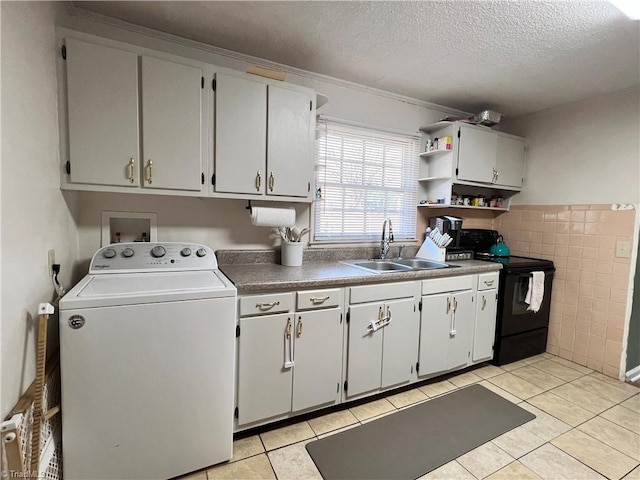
x: 488, y: 280
x: 449, y: 284
x: 318, y: 298
x: 387, y: 291
x: 264, y: 304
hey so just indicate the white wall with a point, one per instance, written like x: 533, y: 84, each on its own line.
x: 35, y: 216
x: 585, y: 152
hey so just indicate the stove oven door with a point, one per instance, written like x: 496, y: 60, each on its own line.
x: 514, y: 316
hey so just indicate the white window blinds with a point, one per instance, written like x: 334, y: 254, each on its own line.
x: 364, y: 176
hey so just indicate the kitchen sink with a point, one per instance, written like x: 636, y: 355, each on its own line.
x: 397, y: 265
x: 421, y: 264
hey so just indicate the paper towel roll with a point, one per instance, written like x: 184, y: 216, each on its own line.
x: 273, y: 217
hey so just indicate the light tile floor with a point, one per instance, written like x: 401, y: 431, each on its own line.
x: 587, y: 426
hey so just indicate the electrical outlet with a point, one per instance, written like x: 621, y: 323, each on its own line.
x: 51, y: 260
x: 623, y: 249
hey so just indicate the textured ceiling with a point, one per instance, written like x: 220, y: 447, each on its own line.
x: 514, y: 57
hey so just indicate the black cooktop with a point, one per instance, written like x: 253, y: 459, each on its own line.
x: 514, y: 261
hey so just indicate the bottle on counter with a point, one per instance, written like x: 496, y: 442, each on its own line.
x: 144, y: 237
x: 117, y: 237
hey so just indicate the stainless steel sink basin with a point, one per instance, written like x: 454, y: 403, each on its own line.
x: 420, y: 264
x: 381, y: 265
x: 398, y: 265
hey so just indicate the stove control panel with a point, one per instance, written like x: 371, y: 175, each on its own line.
x: 149, y: 257
x: 462, y: 255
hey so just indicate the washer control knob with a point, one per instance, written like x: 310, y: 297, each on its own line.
x: 158, y: 251
x: 201, y: 252
x: 185, y: 252
x: 109, y: 253
x: 128, y: 252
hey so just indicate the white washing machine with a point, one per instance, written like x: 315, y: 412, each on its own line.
x: 147, y: 343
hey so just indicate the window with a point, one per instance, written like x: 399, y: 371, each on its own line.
x: 363, y: 176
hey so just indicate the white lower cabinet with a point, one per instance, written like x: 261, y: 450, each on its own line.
x: 287, y: 362
x: 485, y: 325
x: 446, y: 324
x: 382, y: 337
x: 295, y: 353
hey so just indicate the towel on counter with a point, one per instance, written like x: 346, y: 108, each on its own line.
x: 535, y: 293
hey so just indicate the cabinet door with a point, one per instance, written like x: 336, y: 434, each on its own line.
x: 290, y: 143
x: 240, y: 135
x: 510, y: 161
x: 171, y: 125
x: 102, y: 93
x: 400, y: 342
x: 365, y: 349
x: 435, y: 324
x: 461, y: 334
x: 264, y: 383
x: 318, y: 358
x: 476, y: 154
x: 485, y: 328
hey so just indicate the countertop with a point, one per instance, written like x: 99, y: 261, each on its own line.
x: 257, y: 276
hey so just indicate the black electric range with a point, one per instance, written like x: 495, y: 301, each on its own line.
x: 520, y: 332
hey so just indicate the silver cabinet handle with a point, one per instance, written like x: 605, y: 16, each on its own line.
x: 316, y: 300
x: 272, y: 182
x: 149, y: 172
x: 448, y: 305
x: 489, y: 282
x: 258, y: 181
x: 484, y: 302
x: 266, y: 306
x: 287, y: 333
x: 131, y: 172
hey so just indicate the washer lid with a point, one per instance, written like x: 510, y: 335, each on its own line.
x: 131, y: 284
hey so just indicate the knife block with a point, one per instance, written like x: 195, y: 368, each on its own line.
x: 431, y: 251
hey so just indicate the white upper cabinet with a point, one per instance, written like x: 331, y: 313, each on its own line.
x: 476, y: 154
x: 105, y: 87
x: 263, y: 138
x: 510, y: 160
x: 102, y: 93
x: 290, y: 142
x: 240, y: 135
x: 172, y: 125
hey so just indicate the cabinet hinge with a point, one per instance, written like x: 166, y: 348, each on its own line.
x: 420, y: 305
x: 213, y: 179
x: 348, y: 315
x: 202, y: 178
x: 346, y: 385
x: 338, y: 387
x: 214, y: 84
x: 417, y: 367
x: 310, y: 105
x: 67, y: 167
x: 456, y: 172
x: 308, y: 187
x: 235, y: 412
x: 458, y: 133
x: 237, y: 331
x: 340, y: 318
x: 64, y: 52
x: 411, y: 368
x: 202, y: 82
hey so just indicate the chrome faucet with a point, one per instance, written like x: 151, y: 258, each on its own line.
x: 386, y: 239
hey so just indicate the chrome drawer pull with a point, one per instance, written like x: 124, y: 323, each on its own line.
x: 299, y: 329
x: 320, y: 299
x: 266, y: 306
x: 484, y: 302
x: 489, y: 282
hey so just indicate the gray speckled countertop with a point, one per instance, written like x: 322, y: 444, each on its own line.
x: 253, y: 271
